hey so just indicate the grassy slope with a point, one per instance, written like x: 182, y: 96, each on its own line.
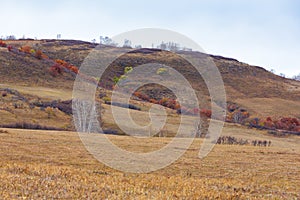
x: 47, y: 164
x: 14, y: 110
x: 245, y: 84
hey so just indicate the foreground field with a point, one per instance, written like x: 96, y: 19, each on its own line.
x: 47, y: 164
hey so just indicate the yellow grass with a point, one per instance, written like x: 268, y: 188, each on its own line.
x: 271, y: 107
x: 42, y: 92
x: 48, y: 164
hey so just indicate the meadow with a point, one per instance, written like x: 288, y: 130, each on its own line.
x: 38, y: 164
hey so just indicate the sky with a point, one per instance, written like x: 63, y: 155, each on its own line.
x: 258, y: 32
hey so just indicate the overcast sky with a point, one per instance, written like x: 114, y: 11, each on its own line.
x: 264, y: 33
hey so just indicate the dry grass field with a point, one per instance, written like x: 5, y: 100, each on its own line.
x: 56, y: 165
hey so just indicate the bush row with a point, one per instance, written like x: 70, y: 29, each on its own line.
x: 55, y: 69
x: 25, y: 125
x: 285, y: 123
x: 123, y: 105
x: 230, y: 140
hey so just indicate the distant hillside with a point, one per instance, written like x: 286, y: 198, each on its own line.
x: 251, y: 87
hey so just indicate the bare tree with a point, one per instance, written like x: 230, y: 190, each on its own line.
x: 202, y: 128
x: 11, y: 37
x: 107, y: 41
x: 127, y: 43
x: 296, y: 77
x: 282, y: 75
x: 85, y: 116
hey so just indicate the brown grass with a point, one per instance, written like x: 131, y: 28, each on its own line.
x: 275, y: 107
x: 46, y: 93
x: 48, y: 164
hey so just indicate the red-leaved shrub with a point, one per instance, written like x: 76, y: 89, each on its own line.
x: 56, y: 69
x: 2, y: 44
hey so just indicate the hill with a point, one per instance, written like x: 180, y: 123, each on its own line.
x: 252, y: 88
x: 244, y: 164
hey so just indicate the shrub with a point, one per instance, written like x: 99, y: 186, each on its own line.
x: 25, y: 125
x: 56, y: 69
x: 231, y: 107
x: 9, y: 48
x: 74, y: 69
x: 4, y: 94
x: 268, y: 123
x: 61, y: 62
x: 2, y: 44
x: 106, y: 99
x: 67, y: 65
x: 154, y: 101
x: 237, y: 116
x: 162, y: 71
x: 116, y: 79
x: 163, y: 101
x: 39, y: 54
x: 123, y: 105
x: 205, y: 113
x: 141, y: 96
x: 230, y: 140
x: 128, y: 70
x: 286, y: 124
x: 64, y: 106
x: 110, y: 131
x: 171, y: 103
x: 26, y: 49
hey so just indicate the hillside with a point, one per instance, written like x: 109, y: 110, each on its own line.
x: 253, y: 88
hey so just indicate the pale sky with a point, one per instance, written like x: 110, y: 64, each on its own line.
x: 264, y: 33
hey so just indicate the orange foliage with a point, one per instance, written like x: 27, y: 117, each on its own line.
x: 285, y: 123
x: 61, y: 62
x: 163, y: 101
x: 153, y: 101
x: 73, y: 69
x: 56, y: 69
x: 67, y: 65
x: 25, y: 49
x: 39, y: 54
x: 141, y: 96
x: 2, y: 44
